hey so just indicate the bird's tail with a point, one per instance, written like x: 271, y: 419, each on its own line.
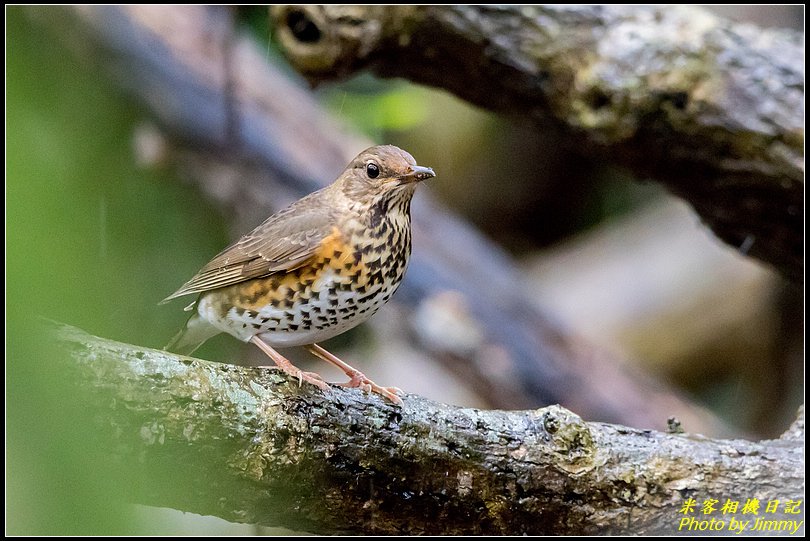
x: 192, y: 336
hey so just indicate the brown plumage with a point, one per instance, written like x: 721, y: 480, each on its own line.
x: 319, y: 267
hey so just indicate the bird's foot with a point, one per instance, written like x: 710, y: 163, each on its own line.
x: 356, y: 377
x: 288, y: 368
x: 359, y: 380
x: 309, y: 377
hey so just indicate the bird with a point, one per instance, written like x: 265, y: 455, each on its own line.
x: 313, y: 270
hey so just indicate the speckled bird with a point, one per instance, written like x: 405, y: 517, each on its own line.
x: 314, y: 270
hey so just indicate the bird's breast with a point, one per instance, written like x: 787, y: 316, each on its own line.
x: 355, y: 270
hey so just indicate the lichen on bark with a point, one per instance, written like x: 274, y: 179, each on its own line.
x: 251, y: 445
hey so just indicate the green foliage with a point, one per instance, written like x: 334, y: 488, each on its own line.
x: 91, y: 240
x: 377, y: 108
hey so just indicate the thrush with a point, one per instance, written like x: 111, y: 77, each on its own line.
x: 314, y: 270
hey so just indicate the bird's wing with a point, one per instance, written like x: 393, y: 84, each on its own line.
x: 284, y: 242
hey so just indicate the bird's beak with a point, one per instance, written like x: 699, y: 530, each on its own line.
x: 417, y: 174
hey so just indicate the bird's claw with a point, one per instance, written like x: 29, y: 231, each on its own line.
x: 310, y: 377
x: 359, y: 380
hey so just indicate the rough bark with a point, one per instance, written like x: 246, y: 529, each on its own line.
x: 250, y: 445
x: 255, y: 141
x: 712, y: 109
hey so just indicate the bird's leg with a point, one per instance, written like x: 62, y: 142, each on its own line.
x: 356, y: 377
x: 288, y: 367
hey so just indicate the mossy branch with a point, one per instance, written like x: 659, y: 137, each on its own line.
x: 250, y: 445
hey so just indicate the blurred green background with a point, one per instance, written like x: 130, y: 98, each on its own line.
x: 93, y: 241
x: 96, y: 241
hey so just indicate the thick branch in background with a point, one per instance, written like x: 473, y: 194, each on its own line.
x: 250, y: 445
x: 712, y: 109
x: 248, y: 138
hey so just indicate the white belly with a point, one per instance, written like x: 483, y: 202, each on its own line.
x: 309, y: 322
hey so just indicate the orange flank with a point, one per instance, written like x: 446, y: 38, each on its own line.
x: 286, y: 289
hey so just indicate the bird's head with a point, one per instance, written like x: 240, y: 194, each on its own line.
x: 381, y: 172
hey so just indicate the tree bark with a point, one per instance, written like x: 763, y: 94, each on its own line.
x: 255, y: 141
x: 252, y: 445
x: 714, y: 110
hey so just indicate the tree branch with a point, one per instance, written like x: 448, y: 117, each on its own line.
x: 250, y: 445
x: 520, y: 356
x: 712, y: 109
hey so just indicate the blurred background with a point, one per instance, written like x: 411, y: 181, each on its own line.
x: 100, y: 227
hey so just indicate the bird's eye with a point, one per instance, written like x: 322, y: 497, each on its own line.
x: 372, y: 170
